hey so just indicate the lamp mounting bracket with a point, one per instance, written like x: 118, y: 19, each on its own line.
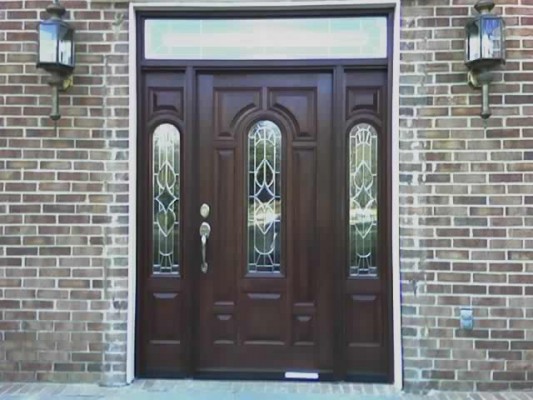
x: 477, y: 78
x: 67, y: 83
x: 62, y: 82
x: 56, y: 10
x: 484, y: 6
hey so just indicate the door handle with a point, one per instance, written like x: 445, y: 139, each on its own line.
x: 205, y: 230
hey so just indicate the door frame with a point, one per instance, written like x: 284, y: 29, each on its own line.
x: 205, y: 6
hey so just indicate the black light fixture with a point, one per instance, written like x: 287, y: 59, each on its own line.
x: 56, y: 52
x: 484, y: 50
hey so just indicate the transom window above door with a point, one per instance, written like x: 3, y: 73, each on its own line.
x: 266, y: 38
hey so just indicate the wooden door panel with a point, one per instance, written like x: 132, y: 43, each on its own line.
x: 165, y: 99
x: 162, y: 328
x: 262, y: 313
x: 365, y: 326
x: 303, y: 327
x: 271, y: 320
x: 223, y: 249
x: 364, y: 97
x: 224, y: 326
x: 303, y: 209
x: 230, y: 105
x: 164, y: 331
x: 300, y: 103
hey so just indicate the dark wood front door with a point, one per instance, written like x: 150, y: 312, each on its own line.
x: 265, y: 303
x: 270, y: 152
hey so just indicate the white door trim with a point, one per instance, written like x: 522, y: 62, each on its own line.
x: 231, y: 5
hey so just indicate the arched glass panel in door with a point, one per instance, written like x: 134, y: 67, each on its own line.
x: 264, y: 198
x: 363, y: 192
x: 166, y: 199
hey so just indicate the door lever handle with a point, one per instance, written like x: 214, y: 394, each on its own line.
x: 205, y: 230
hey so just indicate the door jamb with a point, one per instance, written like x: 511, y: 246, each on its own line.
x: 204, y: 5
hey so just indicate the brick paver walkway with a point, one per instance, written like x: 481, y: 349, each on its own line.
x: 224, y: 390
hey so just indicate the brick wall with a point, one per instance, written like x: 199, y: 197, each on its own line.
x: 466, y: 202
x: 63, y: 200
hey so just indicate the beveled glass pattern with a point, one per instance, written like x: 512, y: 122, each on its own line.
x: 264, y: 198
x: 363, y: 148
x: 166, y: 195
x: 266, y: 38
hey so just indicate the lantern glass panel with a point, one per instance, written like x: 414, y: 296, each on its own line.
x: 474, y: 47
x: 65, y: 53
x: 48, y: 43
x: 492, y: 38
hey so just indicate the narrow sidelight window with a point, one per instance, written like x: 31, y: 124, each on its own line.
x: 363, y: 181
x: 166, y: 198
x: 264, y: 198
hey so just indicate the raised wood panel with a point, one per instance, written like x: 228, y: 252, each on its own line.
x: 365, y: 326
x: 224, y: 329
x: 222, y: 244
x: 303, y: 194
x: 166, y: 99
x: 303, y: 330
x: 165, y: 305
x: 301, y: 105
x: 360, y: 99
x: 261, y: 317
x: 231, y: 105
x: 162, y: 357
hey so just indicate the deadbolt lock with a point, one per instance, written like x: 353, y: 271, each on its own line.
x: 204, y: 210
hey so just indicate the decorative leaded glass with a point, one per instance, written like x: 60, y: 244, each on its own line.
x: 166, y: 194
x: 363, y: 183
x: 264, y: 198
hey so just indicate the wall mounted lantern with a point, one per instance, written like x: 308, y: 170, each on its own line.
x: 485, y: 49
x: 56, y: 52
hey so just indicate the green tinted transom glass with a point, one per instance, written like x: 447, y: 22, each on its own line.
x: 264, y: 198
x: 363, y: 184
x: 166, y: 199
x: 269, y: 38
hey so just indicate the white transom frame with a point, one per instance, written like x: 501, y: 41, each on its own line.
x: 205, y: 5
